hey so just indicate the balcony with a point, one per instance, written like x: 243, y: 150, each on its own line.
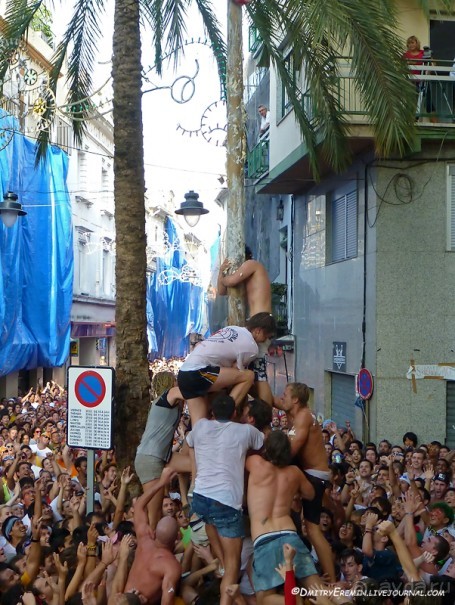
x: 258, y: 158
x: 434, y: 92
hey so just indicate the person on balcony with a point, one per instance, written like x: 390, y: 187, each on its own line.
x: 265, y: 119
x: 414, y: 55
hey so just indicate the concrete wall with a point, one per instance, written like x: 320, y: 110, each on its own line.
x: 415, y: 285
x: 328, y: 297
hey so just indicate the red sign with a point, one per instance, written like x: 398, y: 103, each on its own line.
x: 365, y: 383
x: 90, y: 389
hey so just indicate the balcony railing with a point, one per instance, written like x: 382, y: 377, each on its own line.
x: 434, y: 103
x: 435, y: 91
x: 254, y: 39
x: 258, y: 158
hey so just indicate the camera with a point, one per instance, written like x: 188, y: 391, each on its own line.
x: 427, y: 53
x: 337, y: 458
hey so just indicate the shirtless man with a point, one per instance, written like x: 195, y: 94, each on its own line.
x: 272, y: 485
x: 259, y: 296
x: 155, y: 572
x: 308, y: 449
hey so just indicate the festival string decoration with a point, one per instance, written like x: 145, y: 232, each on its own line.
x: 26, y: 95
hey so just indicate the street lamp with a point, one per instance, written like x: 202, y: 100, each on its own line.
x: 191, y: 208
x: 10, y: 209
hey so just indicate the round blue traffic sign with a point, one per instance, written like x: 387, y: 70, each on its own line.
x: 365, y: 383
x: 90, y: 389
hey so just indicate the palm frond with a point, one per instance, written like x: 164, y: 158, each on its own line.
x: 316, y: 107
x: 83, y: 32
x: 174, y: 24
x: 212, y: 28
x: 366, y: 31
x: 152, y: 10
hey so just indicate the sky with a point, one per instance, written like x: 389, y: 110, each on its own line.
x: 177, y: 156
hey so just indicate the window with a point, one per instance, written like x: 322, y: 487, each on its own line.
x: 344, y: 227
x: 451, y: 208
x: 290, y: 68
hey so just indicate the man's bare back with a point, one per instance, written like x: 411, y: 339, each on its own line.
x: 270, y: 493
x: 151, y: 566
x: 257, y: 284
x: 307, y: 445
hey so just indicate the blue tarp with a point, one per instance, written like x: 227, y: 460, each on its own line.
x: 36, y: 257
x: 175, y: 309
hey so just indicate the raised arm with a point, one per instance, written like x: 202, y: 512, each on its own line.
x: 141, y: 524
x: 241, y: 274
x: 386, y: 528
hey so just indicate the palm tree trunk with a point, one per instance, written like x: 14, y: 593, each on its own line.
x: 235, y: 163
x: 132, y: 378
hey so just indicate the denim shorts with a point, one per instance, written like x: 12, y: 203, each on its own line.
x: 268, y: 554
x: 227, y: 520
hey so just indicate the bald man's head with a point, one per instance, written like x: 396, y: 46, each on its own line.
x: 166, y: 532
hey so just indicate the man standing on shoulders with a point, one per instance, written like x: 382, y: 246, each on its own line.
x: 220, y: 447
x: 259, y: 298
x: 308, y: 449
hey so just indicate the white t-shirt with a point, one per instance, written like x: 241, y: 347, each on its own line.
x: 41, y: 453
x: 220, y: 449
x: 224, y: 348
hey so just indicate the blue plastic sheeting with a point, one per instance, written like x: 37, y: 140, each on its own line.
x: 36, y: 258
x: 176, y: 308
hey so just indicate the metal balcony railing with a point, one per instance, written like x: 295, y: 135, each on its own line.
x: 434, y: 99
x: 258, y: 158
x: 254, y: 39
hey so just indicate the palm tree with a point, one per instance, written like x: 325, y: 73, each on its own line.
x: 317, y: 30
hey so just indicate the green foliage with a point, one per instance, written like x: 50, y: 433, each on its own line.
x: 42, y: 22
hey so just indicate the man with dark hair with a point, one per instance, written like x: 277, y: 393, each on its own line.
x: 210, y: 366
x: 351, y: 565
x: 272, y: 485
x: 220, y: 447
x: 258, y: 413
x: 80, y: 464
x: 308, y: 449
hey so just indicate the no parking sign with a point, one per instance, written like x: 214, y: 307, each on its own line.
x: 90, y: 393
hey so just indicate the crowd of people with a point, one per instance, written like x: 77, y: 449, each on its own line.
x: 246, y: 496
x: 364, y: 516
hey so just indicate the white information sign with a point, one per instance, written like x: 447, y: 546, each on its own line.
x: 90, y: 392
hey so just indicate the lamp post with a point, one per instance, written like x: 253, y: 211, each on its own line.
x: 191, y: 208
x: 10, y: 209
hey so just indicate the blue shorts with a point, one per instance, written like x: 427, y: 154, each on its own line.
x: 268, y: 554
x: 227, y: 520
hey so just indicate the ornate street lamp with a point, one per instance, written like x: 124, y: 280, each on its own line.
x: 10, y: 209
x: 191, y: 209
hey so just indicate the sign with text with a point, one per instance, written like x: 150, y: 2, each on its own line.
x: 339, y: 356
x: 90, y: 415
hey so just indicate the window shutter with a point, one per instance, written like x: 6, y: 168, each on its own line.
x: 351, y: 225
x: 339, y: 229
